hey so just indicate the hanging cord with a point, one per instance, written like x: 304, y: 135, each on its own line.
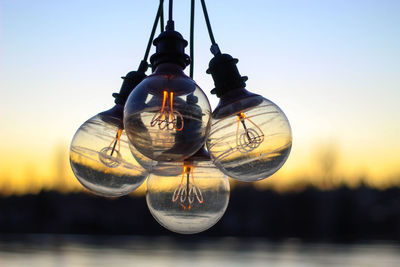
x: 170, y: 10
x: 214, y: 47
x: 144, y: 63
x: 192, y: 38
x: 162, y: 19
x: 170, y: 22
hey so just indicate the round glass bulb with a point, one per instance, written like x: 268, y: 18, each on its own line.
x: 162, y: 168
x: 250, y: 138
x: 191, y: 201
x: 101, y: 159
x: 167, y: 116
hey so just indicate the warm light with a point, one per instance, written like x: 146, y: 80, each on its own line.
x: 187, y: 191
x: 191, y: 200
x: 167, y: 118
x: 167, y: 125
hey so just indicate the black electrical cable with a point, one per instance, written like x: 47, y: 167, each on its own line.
x: 170, y: 23
x: 214, y: 48
x: 171, y: 3
x: 192, y: 38
x: 162, y: 20
x: 153, y: 31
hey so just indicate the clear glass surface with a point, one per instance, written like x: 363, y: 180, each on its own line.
x: 101, y: 159
x: 167, y: 116
x: 161, y: 168
x: 191, y: 201
x: 250, y: 139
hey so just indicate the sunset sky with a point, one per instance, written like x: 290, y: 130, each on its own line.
x: 332, y: 66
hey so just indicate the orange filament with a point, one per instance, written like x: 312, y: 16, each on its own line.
x: 187, y: 191
x: 167, y: 118
x: 110, y: 156
x: 171, y: 98
x: 164, y: 100
x: 251, y: 138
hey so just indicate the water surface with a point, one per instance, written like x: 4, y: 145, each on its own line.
x: 88, y: 251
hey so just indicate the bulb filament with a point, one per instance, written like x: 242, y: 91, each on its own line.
x: 110, y: 156
x: 186, y: 194
x: 251, y: 138
x: 167, y: 118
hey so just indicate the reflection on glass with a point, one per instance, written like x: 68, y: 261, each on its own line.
x: 190, y: 201
x: 250, y: 139
x: 101, y: 159
x: 167, y: 116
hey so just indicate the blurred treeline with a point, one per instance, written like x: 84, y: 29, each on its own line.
x: 337, y: 215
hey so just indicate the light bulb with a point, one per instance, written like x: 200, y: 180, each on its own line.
x: 101, y: 159
x: 167, y: 116
x: 156, y: 167
x: 250, y: 137
x: 192, y: 200
x: 100, y: 155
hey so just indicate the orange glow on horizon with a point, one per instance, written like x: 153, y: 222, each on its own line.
x: 31, y: 174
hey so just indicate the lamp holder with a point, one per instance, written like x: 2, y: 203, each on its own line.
x: 170, y: 48
x: 225, y: 74
x: 131, y: 80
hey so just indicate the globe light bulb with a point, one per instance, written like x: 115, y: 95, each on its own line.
x: 162, y: 168
x: 167, y: 116
x: 250, y: 137
x: 100, y: 155
x: 192, y: 200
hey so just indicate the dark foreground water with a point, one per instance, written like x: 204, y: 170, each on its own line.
x: 77, y: 251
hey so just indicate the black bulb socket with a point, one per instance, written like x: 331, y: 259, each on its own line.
x: 170, y: 48
x: 115, y: 115
x: 225, y: 74
x: 131, y: 80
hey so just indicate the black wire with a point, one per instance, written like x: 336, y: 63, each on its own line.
x: 192, y: 38
x: 208, y: 23
x: 153, y: 31
x: 171, y: 3
x: 162, y: 20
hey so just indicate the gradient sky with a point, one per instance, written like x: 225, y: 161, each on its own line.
x: 332, y: 66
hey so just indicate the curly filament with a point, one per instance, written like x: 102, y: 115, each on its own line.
x: 107, y: 154
x: 251, y: 138
x: 189, y: 192
x: 166, y: 118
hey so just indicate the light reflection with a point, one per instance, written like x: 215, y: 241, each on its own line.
x: 90, y: 251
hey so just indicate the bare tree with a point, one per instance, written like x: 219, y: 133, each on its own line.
x: 327, y: 159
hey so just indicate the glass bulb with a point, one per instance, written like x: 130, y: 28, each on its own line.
x: 161, y: 168
x: 101, y: 159
x: 250, y: 138
x: 167, y: 116
x: 191, y: 201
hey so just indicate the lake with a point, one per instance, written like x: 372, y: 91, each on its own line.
x: 123, y: 251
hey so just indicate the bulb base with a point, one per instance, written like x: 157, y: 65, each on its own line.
x: 131, y: 80
x: 225, y: 74
x: 170, y: 48
x: 236, y: 101
x: 114, y: 116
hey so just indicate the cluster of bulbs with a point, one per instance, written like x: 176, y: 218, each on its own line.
x: 162, y: 129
